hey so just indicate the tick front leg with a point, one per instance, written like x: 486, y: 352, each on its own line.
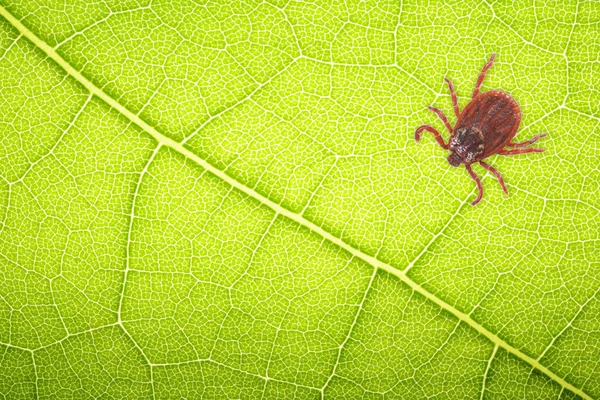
x: 431, y: 129
x: 454, y: 97
x: 440, y: 114
x: 513, y: 152
x: 482, y: 75
x: 528, y: 142
x: 496, y: 174
x: 477, y: 181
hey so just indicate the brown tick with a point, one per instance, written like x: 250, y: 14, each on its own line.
x: 485, y: 127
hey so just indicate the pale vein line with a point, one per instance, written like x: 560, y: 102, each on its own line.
x: 274, y: 345
x: 16, y: 347
x: 131, y: 218
x: 567, y: 75
x: 110, y: 14
x: 247, y: 97
x: 440, y: 232
x: 10, y: 46
x: 56, y: 143
x: 59, y: 341
x: 258, y: 247
x: 487, y: 370
x: 343, y: 344
x: 568, y: 325
x: 319, y: 185
x: 230, y: 368
x: 126, y: 272
x: 391, y: 66
x: 137, y: 346
x: 528, y: 42
x: 8, y: 199
x: 597, y: 118
x: 230, y: 287
x: 279, y: 209
x: 20, y: 180
x: 35, y: 372
x: 152, y: 380
x: 52, y: 288
x: 554, y: 199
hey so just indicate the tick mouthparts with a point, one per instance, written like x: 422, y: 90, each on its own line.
x: 454, y: 159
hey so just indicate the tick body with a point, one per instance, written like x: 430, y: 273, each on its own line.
x: 485, y: 127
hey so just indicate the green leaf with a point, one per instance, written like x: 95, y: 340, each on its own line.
x: 225, y: 200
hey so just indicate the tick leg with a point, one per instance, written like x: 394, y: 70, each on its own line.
x: 442, y: 117
x: 527, y: 142
x: 505, y: 152
x: 482, y: 75
x: 496, y: 174
x: 454, y: 98
x: 477, y: 181
x: 437, y: 135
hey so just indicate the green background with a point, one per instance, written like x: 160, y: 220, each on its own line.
x: 225, y: 200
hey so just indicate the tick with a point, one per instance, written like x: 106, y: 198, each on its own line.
x: 485, y: 127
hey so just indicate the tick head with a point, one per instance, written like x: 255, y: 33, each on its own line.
x: 466, y: 146
x: 454, y: 159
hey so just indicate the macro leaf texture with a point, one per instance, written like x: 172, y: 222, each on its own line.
x: 208, y: 199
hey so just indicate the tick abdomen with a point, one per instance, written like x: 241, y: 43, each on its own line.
x: 496, y: 115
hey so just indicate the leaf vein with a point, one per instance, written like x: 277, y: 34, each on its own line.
x: 354, y: 322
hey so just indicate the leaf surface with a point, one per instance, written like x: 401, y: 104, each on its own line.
x: 225, y: 200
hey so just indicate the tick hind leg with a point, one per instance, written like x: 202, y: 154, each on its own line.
x: 454, y: 97
x: 513, y: 152
x: 527, y: 142
x: 477, y: 181
x: 431, y: 129
x: 482, y: 75
x: 496, y: 174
